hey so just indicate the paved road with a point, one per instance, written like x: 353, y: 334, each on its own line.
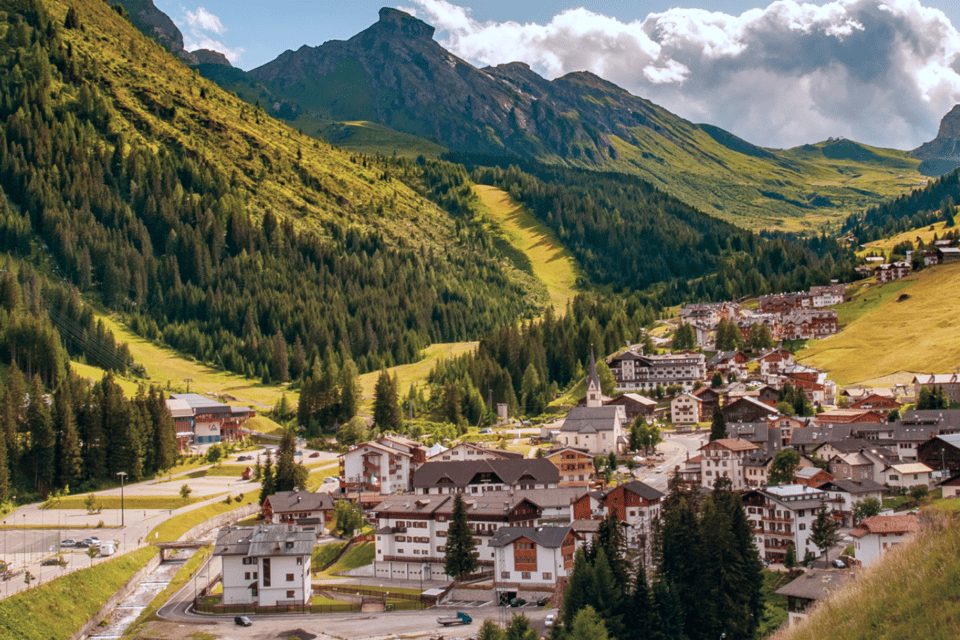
x: 675, y: 449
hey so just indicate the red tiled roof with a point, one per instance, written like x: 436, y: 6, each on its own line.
x: 734, y: 444
x: 887, y: 524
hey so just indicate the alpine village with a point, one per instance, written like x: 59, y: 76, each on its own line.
x: 384, y: 345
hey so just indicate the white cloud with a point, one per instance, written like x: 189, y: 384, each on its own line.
x: 200, y: 29
x: 881, y: 72
x: 203, y: 19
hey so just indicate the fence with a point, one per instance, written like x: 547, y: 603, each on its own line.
x: 376, y: 593
x: 236, y: 609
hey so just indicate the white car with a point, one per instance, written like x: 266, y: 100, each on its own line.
x: 548, y: 622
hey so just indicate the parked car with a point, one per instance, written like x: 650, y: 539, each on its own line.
x: 517, y: 602
x: 91, y: 542
x: 68, y: 543
x: 242, y: 621
x: 82, y: 544
x: 52, y: 561
x: 543, y: 600
x: 839, y: 564
x: 242, y: 458
x: 548, y: 622
x: 330, y: 479
x: 315, y: 454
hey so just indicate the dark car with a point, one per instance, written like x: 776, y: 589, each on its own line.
x: 517, y: 602
x: 242, y: 621
x: 542, y: 601
x: 52, y: 561
x: 68, y: 543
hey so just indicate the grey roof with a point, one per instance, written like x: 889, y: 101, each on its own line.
x: 758, y: 459
x: 285, y: 501
x: 913, y: 433
x: 720, y: 356
x: 951, y: 439
x: 201, y: 404
x: 865, y: 485
x: 814, y: 585
x: 817, y: 436
x: 461, y: 473
x: 941, y: 417
x: 645, y: 491
x: 264, y: 540
x: 590, y: 419
x: 549, y: 537
x: 544, y: 498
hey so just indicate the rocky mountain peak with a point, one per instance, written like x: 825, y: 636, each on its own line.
x: 950, y: 124
x: 404, y: 24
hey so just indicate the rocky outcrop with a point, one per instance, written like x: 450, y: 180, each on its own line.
x: 942, y: 154
x: 157, y: 25
x: 395, y: 74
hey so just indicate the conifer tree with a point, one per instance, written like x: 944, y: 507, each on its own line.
x: 520, y: 629
x: 267, y: 485
x: 386, y: 404
x: 606, y: 594
x: 42, y: 439
x: 458, y: 553
x: 349, y: 391
x: 718, y: 425
x: 69, y: 456
x: 164, y: 434
x: 668, y: 617
x: 286, y: 476
x: 589, y: 624
x: 578, y: 592
x: 638, y: 608
x: 824, y: 530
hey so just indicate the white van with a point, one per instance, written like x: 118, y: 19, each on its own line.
x: 108, y: 548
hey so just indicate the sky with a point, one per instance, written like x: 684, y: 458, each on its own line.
x: 778, y: 74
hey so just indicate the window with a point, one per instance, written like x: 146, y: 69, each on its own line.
x: 505, y: 575
x: 246, y: 575
x: 291, y: 594
x: 266, y: 572
x: 524, y: 575
x: 249, y: 561
x: 547, y: 575
x: 802, y: 526
x: 289, y: 577
x: 300, y: 561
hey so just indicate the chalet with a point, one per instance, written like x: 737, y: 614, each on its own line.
x: 478, y: 476
x: 874, y: 536
x: 807, y: 440
x: 941, y: 452
x: 265, y: 566
x: 877, y: 402
x: 686, y: 409
x: 756, y: 469
x: 575, y: 466
x: 849, y: 416
x: 783, y: 303
x: 724, y: 458
x: 931, y: 257
x: 635, y: 405
x: 812, y: 476
x: 533, y: 556
x: 309, y: 511
x: 709, y: 400
x: 773, y: 362
x: 844, y: 494
x: 948, y: 254
x: 891, y: 272
x: 384, y: 466
x: 814, y: 383
x: 747, y: 409
x: 827, y: 296
x: 635, y: 372
x: 908, y: 474
x: 412, y: 530
x: 472, y: 451
x: 808, y: 589
x: 728, y: 362
x: 756, y: 432
x: 812, y: 324
x: 907, y: 439
x: 782, y: 516
x: 210, y: 422
x: 635, y: 504
x: 771, y: 320
x: 951, y: 486
x: 949, y: 382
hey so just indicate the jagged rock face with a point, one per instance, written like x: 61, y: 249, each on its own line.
x: 947, y: 142
x: 157, y: 25
x: 394, y: 73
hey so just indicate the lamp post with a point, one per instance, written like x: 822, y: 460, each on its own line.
x: 122, y: 474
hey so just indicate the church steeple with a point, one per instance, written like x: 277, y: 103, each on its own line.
x: 594, y: 392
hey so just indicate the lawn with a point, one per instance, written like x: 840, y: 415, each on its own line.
x: 133, y: 502
x: 886, y: 335
x: 316, y: 477
x: 176, y: 527
x: 57, y: 609
x: 415, y: 372
x: 359, y: 556
x: 551, y: 263
x: 324, y: 555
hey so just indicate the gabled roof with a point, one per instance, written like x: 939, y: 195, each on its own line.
x: 461, y: 473
x: 264, y: 540
x: 815, y: 585
x: 887, y: 524
x: 635, y: 397
x: 596, y: 418
x: 821, y: 435
x: 549, y: 537
x: 645, y: 491
x: 287, y: 501
x: 808, y: 472
x: 866, y: 485
x: 911, y: 467
x: 733, y: 444
x: 753, y: 402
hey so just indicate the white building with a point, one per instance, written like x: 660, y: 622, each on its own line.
x: 907, y: 475
x: 385, y: 465
x: 533, y: 556
x: 782, y: 516
x: 472, y: 451
x: 266, y: 565
x: 686, y: 408
x: 875, y: 535
x: 641, y: 372
x: 725, y: 458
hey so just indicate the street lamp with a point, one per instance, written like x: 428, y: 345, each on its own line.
x: 122, y: 474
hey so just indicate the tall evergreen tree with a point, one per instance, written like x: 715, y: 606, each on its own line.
x: 386, y: 403
x: 678, y: 549
x: 165, y: 434
x: 69, y: 458
x: 578, y: 591
x: 43, y: 442
x: 824, y: 532
x: 458, y: 557
x: 718, y: 425
x: 350, y: 393
x: 286, y: 476
x: 668, y: 616
x: 607, y: 594
x: 638, y: 608
x: 268, y: 485
x: 590, y: 624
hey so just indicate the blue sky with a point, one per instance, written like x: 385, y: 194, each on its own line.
x: 778, y: 74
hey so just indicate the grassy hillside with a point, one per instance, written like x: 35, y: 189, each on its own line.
x: 913, y: 592
x: 887, y: 244
x: 908, y: 326
x: 551, y: 263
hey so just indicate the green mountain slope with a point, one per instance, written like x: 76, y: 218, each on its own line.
x: 216, y: 228
x: 396, y: 75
